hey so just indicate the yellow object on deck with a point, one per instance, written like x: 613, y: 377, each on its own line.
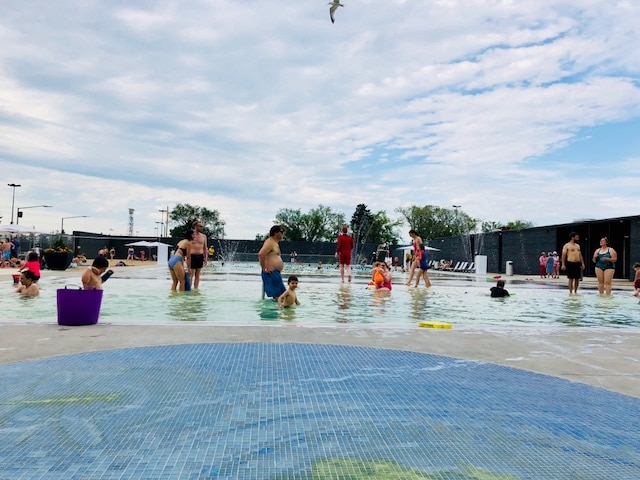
x: 435, y: 325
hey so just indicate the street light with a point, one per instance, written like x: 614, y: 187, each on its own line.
x: 19, y: 216
x: 159, y: 229
x: 162, y: 212
x: 65, y: 218
x: 13, y: 185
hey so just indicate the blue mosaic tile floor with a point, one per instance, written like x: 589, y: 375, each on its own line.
x: 291, y: 411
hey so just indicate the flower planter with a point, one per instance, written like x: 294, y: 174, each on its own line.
x: 58, y: 260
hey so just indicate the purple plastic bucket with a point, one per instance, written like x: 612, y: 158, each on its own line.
x: 78, y: 307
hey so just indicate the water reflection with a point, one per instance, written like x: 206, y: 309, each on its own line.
x: 188, y: 306
x: 343, y: 300
x: 267, y: 309
x: 418, y: 305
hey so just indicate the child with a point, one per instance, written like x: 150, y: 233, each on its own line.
x: 33, y: 264
x: 91, y: 279
x: 289, y: 297
x: 28, y: 286
x: 377, y: 275
x: 499, y: 291
x: 636, y: 281
x: 386, y: 275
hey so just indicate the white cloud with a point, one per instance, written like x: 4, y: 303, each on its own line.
x: 230, y: 106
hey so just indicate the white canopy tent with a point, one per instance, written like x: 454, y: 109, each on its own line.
x: 19, y: 229
x: 163, y: 249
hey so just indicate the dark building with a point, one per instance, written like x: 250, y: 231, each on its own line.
x: 523, y: 247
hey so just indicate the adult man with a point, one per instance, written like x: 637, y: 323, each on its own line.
x: 199, y: 252
x: 572, y: 261
x: 343, y: 253
x: 272, y: 264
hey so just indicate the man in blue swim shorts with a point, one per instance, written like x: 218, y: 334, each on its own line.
x: 271, y: 263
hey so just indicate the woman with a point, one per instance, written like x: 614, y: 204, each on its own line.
x: 418, y: 253
x: 176, y: 262
x: 605, y: 259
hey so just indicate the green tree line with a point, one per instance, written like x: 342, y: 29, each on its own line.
x: 322, y: 224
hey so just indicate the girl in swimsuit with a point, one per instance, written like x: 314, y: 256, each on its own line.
x: 605, y: 259
x: 176, y: 262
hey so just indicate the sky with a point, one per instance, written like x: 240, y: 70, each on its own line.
x: 513, y: 110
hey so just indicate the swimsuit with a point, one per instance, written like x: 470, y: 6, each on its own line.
x: 273, y: 284
x: 574, y: 270
x: 345, y: 245
x: 604, y: 265
x: 173, y: 261
x: 197, y: 260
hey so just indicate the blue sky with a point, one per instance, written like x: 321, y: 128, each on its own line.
x: 514, y: 110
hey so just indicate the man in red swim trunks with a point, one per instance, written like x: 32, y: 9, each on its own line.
x: 343, y: 253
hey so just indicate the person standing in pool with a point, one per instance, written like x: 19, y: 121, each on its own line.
x: 572, y: 262
x: 605, y: 259
x: 271, y: 263
x: 176, y: 263
x: 199, y: 252
x: 343, y: 253
x: 419, y: 261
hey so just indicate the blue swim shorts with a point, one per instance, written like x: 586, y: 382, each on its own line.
x: 273, y: 284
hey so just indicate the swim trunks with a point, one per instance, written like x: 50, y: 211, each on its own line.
x: 273, y: 284
x: 197, y: 260
x: 636, y: 284
x: 574, y: 270
x: 344, y: 258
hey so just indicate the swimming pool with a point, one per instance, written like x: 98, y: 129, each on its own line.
x: 231, y: 295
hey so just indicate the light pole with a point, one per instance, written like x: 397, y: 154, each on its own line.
x: 13, y: 185
x: 19, y: 216
x: 159, y: 229
x: 65, y: 218
x: 162, y: 212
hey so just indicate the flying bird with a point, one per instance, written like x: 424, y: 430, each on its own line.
x: 334, y: 6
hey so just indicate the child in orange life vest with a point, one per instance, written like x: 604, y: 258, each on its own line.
x: 377, y: 275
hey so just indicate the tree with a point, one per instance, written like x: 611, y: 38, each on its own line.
x: 434, y: 222
x: 383, y: 229
x: 292, y: 221
x: 519, y: 225
x: 373, y: 228
x: 183, y: 216
x: 321, y: 224
x: 490, y: 226
x: 361, y: 223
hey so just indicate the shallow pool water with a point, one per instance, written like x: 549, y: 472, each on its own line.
x: 232, y: 296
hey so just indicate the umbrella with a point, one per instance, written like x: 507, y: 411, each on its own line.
x: 21, y: 229
x: 144, y: 243
x: 141, y: 243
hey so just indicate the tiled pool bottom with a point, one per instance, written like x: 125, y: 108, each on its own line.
x: 298, y: 411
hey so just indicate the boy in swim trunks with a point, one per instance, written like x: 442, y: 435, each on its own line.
x: 572, y: 262
x: 289, y: 297
x: 93, y: 277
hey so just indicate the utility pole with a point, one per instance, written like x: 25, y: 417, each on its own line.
x: 131, y: 210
